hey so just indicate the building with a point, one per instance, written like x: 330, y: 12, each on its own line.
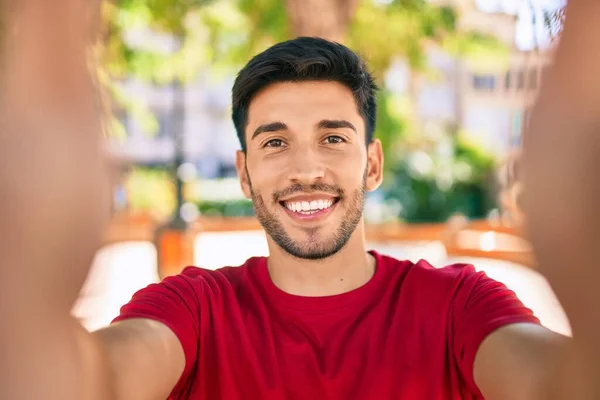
x: 488, y: 101
x: 209, y: 138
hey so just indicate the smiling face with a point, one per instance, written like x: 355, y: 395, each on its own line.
x: 307, y: 167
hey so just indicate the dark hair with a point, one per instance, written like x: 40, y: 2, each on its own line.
x: 304, y: 59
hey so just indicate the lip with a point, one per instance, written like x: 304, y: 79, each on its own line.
x: 319, y: 215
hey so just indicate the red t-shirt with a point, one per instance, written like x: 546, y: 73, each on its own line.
x: 411, y: 332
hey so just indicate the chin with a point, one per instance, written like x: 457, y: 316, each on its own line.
x: 314, y: 247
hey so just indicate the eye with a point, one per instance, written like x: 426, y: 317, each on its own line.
x: 333, y: 139
x: 274, y: 143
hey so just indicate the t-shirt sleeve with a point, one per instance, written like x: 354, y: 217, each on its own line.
x: 173, y: 302
x: 481, y: 305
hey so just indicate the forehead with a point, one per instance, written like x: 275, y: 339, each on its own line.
x: 303, y: 102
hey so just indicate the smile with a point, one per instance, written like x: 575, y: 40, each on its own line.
x: 309, y: 208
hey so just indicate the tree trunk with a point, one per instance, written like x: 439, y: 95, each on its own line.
x: 328, y: 19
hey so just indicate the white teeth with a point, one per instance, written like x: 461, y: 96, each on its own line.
x: 306, y: 206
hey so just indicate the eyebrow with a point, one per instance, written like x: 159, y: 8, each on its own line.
x: 323, y: 124
x: 270, y: 127
x: 335, y: 124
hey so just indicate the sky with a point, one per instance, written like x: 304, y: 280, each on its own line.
x: 527, y: 35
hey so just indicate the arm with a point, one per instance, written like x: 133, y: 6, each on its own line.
x: 562, y: 189
x: 562, y: 192
x: 145, y: 359
x: 132, y: 360
x: 53, y: 203
x: 519, y: 362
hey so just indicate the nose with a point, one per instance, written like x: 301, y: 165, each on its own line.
x: 306, y: 167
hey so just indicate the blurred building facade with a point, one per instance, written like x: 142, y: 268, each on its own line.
x: 488, y: 101
x: 209, y: 138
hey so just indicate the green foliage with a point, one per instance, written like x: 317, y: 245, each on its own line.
x: 239, y: 29
x: 393, y: 122
x: 482, y: 52
x: 193, y: 35
x: 381, y: 32
x: 440, y: 175
x: 226, y: 208
x: 228, y: 32
x: 167, y: 21
x: 181, y: 52
x: 404, y: 28
x: 150, y: 190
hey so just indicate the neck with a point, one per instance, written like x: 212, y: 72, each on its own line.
x: 348, y: 269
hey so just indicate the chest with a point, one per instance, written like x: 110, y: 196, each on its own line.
x: 377, y: 352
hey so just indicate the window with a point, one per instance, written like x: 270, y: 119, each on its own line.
x: 484, y: 82
x: 521, y: 80
x: 517, y: 128
x: 533, y: 79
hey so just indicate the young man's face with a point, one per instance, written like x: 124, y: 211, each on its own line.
x: 307, y: 167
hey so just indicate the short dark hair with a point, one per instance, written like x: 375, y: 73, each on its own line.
x: 304, y: 59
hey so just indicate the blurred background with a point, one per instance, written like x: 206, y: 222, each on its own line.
x: 458, y: 78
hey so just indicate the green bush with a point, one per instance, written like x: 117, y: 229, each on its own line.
x: 431, y: 187
x: 228, y: 208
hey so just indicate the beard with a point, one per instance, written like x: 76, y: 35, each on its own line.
x: 316, y: 246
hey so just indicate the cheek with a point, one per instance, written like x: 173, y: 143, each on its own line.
x: 264, y: 179
x: 352, y: 183
x: 352, y: 171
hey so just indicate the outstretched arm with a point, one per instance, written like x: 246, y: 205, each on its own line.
x: 562, y: 191
x: 54, y: 200
x: 561, y: 166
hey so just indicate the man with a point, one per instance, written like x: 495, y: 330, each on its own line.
x: 320, y: 318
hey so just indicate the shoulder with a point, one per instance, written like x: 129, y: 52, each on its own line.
x: 454, y: 278
x: 424, y: 273
x: 422, y: 279
x: 199, y: 278
x: 192, y: 286
x: 181, y: 297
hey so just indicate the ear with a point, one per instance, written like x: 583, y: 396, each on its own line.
x: 240, y: 166
x: 374, y: 165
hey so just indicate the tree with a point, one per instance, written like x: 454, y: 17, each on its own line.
x: 124, y: 56
x: 327, y: 19
x: 554, y: 21
x: 379, y: 30
x: 231, y: 31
